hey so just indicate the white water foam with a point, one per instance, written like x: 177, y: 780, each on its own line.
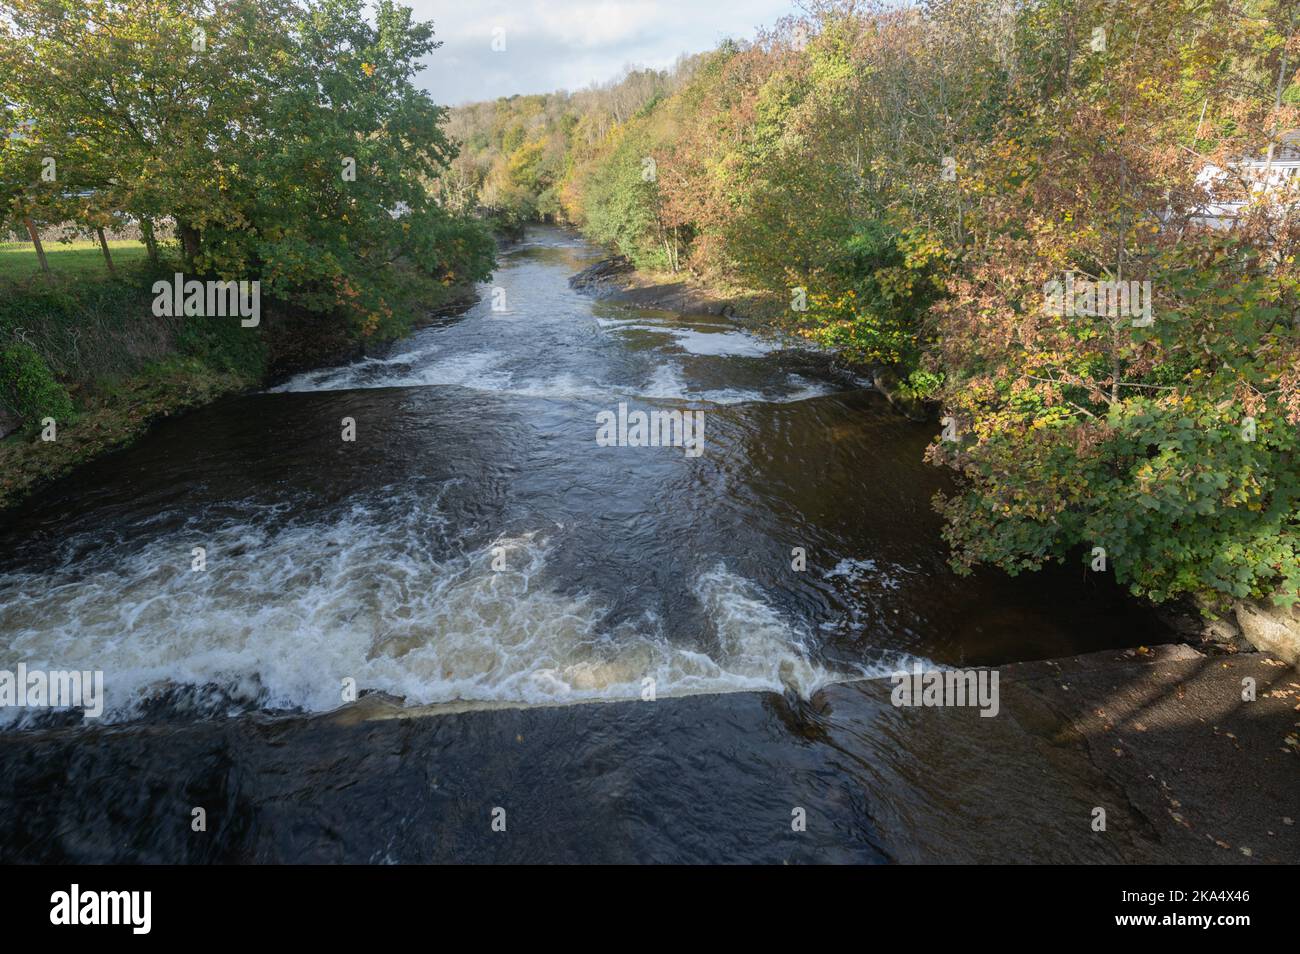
x: 281, y: 616
x: 858, y: 571
x: 475, y: 369
x: 726, y: 342
x: 481, y: 371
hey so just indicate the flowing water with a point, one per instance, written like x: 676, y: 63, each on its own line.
x: 475, y: 547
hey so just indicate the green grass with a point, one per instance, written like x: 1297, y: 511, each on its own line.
x: 81, y: 258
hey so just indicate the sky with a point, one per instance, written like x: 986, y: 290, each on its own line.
x: 569, y: 44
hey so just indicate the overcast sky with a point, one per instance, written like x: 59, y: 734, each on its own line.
x: 568, y: 44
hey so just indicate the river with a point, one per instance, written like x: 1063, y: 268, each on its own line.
x: 475, y: 547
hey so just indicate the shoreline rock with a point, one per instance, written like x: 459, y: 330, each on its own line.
x: 1271, y: 628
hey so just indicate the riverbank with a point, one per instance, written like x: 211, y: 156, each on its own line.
x: 1185, y: 771
x: 90, y: 354
x: 109, y: 421
x: 616, y: 279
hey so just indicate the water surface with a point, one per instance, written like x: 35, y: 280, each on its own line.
x: 475, y: 545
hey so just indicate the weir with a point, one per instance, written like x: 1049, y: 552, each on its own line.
x: 707, y: 778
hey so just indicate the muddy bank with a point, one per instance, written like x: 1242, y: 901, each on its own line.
x: 1186, y: 771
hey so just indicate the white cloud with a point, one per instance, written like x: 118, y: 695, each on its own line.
x: 568, y: 44
x: 579, y: 24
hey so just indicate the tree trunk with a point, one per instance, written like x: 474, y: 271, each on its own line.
x: 150, y: 242
x: 103, y: 244
x: 189, y: 243
x: 36, y: 240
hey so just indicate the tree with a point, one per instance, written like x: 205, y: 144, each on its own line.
x: 1167, y: 437
x: 286, y: 140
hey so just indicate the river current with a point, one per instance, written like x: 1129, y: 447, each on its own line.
x: 475, y: 544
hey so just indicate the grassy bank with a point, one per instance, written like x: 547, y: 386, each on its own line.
x: 82, y: 258
x: 86, y: 350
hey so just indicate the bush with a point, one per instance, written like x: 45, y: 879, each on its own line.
x: 877, y: 293
x: 28, y: 388
x: 222, y: 344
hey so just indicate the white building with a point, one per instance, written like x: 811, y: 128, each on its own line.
x: 1245, y: 180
